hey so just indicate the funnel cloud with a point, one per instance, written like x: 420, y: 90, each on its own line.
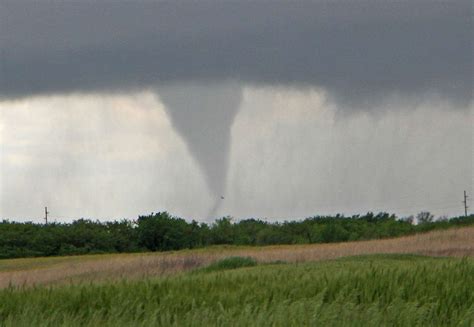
x: 203, y: 115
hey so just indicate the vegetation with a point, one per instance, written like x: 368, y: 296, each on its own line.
x: 381, y: 290
x: 94, y: 268
x: 162, y: 232
x: 231, y: 263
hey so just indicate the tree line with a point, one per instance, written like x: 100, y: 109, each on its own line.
x: 163, y: 232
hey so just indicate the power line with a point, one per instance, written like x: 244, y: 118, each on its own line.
x: 374, y: 206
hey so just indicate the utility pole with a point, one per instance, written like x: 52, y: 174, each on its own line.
x: 465, y: 203
x: 46, y: 215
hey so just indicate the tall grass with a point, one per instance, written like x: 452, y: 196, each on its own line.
x: 362, y: 291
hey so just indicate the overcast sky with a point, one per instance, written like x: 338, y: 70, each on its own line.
x: 111, y: 109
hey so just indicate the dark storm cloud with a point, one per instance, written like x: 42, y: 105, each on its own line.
x: 356, y: 49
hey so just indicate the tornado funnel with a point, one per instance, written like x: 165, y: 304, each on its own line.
x: 203, y: 115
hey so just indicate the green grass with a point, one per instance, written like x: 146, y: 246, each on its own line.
x: 230, y: 263
x: 361, y: 291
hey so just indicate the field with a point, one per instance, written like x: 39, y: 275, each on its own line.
x: 345, y: 284
x: 456, y: 242
x: 394, y: 290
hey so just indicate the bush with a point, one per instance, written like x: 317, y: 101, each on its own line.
x: 231, y: 263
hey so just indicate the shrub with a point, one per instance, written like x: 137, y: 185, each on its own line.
x: 231, y: 263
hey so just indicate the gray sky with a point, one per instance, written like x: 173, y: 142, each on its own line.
x: 287, y: 109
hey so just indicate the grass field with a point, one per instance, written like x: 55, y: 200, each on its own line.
x: 377, y: 290
x: 420, y: 280
x: 53, y: 270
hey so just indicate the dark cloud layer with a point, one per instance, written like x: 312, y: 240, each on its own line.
x: 356, y: 49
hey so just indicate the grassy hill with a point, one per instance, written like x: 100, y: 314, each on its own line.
x: 377, y: 290
x: 419, y: 280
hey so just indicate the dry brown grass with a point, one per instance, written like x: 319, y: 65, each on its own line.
x: 453, y: 242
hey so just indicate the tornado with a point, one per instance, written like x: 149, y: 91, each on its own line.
x: 203, y: 115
